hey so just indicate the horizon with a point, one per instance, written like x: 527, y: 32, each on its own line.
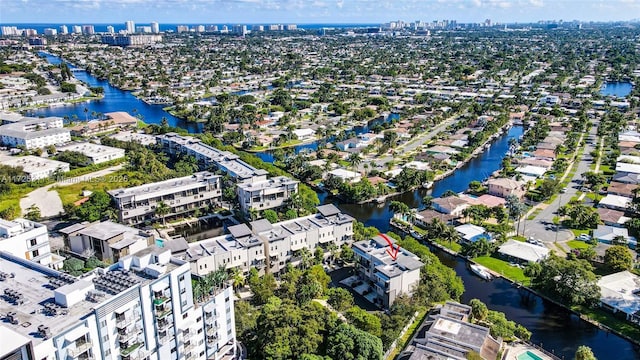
x: 314, y: 11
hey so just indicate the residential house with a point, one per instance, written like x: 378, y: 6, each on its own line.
x: 471, y: 233
x: 606, y: 234
x: 523, y: 252
x: 504, y: 187
x: 450, y: 205
x: 620, y: 293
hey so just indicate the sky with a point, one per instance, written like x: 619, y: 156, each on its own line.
x: 312, y: 11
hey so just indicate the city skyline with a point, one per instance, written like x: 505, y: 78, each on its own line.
x: 313, y: 11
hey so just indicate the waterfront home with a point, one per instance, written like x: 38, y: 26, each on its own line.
x: 530, y: 171
x: 262, y: 194
x: 504, y: 187
x: 615, y: 202
x: 606, y: 234
x: 533, y: 161
x: 487, y: 200
x: 424, y: 218
x: 523, y: 252
x: 346, y: 175
x: 620, y: 292
x: 449, y: 335
x: 385, y: 277
x: 450, y: 205
x: 304, y: 134
x: 439, y: 149
x: 418, y: 165
x: 545, y: 154
x: 471, y: 233
x: 115, y: 120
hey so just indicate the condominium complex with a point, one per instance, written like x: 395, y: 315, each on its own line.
x: 28, y: 240
x: 270, y: 247
x: 34, y: 167
x: 182, y: 195
x: 96, y: 154
x: 139, y: 308
x: 390, y: 275
x: 255, y: 190
x: 34, y: 133
x: 105, y: 240
x: 263, y: 194
x: 131, y: 40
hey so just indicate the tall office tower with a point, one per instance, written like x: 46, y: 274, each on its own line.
x: 111, y: 29
x: 64, y: 30
x: 77, y: 29
x: 131, y: 26
x: 155, y: 27
x: 50, y: 31
x: 142, y: 307
x: 88, y: 30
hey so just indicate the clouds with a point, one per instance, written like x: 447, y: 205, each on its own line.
x: 300, y: 11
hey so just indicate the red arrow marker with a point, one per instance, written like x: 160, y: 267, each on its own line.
x: 393, y: 252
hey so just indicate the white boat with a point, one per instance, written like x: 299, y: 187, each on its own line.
x: 481, y: 271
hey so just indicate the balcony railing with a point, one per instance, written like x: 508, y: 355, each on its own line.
x: 128, y: 350
x: 80, y: 348
x: 160, y: 300
x: 129, y: 334
x: 124, y: 322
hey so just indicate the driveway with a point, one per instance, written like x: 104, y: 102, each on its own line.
x: 48, y: 201
x: 542, y: 226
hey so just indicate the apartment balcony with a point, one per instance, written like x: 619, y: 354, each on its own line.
x: 164, y: 324
x: 186, y: 336
x: 128, y: 334
x: 124, y: 321
x: 80, y: 348
x: 212, y: 330
x: 189, y: 348
x: 162, y: 314
x: 158, y: 301
x: 128, y: 351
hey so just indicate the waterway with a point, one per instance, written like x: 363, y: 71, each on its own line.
x: 114, y: 100
x: 554, y: 327
x: 618, y: 89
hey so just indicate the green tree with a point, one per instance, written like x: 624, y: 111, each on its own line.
x: 618, y: 258
x: 364, y: 321
x: 349, y: 343
x: 340, y: 299
x: 94, y: 208
x: 270, y: 215
x: 73, y: 266
x: 346, y: 253
x: 479, y: 310
x: 262, y: 287
x: 584, y: 353
x: 161, y: 210
x: 33, y: 213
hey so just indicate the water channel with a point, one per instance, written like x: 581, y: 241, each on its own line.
x: 554, y: 327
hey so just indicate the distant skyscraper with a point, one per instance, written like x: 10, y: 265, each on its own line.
x: 291, y: 27
x: 240, y: 30
x: 212, y: 28
x: 30, y: 32
x: 77, y: 29
x: 88, y: 30
x: 64, y: 30
x: 155, y: 27
x: 10, y: 31
x: 110, y: 29
x: 143, y: 29
x: 182, y: 28
x: 199, y: 28
x: 257, y: 28
x: 50, y: 31
x: 131, y: 26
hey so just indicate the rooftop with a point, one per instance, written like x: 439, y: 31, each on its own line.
x: 273, y: 182
x: 170, y: 186
x: 89, y: 149
x: 622, y: 291
x: 32, y: 164
x: 378, y: 249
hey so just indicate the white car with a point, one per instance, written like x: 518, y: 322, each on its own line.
x: 584, y: 237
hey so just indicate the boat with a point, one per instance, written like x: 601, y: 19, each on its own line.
x: 481, y: 271
x: 381, y: 199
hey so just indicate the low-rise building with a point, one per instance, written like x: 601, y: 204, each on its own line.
x: 523, y: 252
x: 266, y: 194
x: 471, y: 233
x: 346, y: 175
x: 504, y: 187
x: 115, y: 120
x: 611, y: 234
x: 615, y: 202
x: 34, y: 167
x: 449, y: 336
x: 106, y: 240
x: 270, y: 247
x: 139, y: 308
x: 620, y: 292
x: 96, y: 154
x: 131, y: 136
x: 28, y: 240
x: 33, y: 133
x: 182, y: 196
x: 388, y: 276
x: 449, y: 205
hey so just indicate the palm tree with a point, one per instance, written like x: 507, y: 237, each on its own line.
x: 253, y: 213
x: 354, y: 159
x: 295, y: 200
x: 451, y: 235
x: 161, y: 210
x: 237, y: 279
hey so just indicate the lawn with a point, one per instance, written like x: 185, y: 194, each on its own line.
x: 608, y: 319
x: 577, y: 244
x: 452, y: 246
x: 503, y: 267
x: 72, y: 193
x: 519, y: 238
x: 408, y: 335
x: 577, y: 232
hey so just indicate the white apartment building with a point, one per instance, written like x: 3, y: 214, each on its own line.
x: 34, y: 167
x: 139, y: 308
x: 270, y: 247
x: 390, y: 276
x: 106, y: 240
x: 97, y: 154
x: 265, y: 194
x: 34, y: 133
x: 28, y: 240
x: 255, y: 190
x: 183, y: 195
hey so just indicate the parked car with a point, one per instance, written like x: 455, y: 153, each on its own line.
x: 564, y: 190
x: 584, y: 237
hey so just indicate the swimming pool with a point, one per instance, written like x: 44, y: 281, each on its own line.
x: 159, y: 243
x: 528, y: 355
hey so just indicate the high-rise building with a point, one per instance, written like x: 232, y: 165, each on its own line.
x: 291, y: 27
x: 198, y: 28
x: 240, y: 30
x: 29, y: 32
x: 77, y: 29
x: 10, y: 31
x: 143, y: 29
x: 28, y: 240
x: 130, y: 26
x: 88, y: 30
x: 155, y: 27
x: 64, y: 30
x: 142, y: 307
x: 212, y: 28
x: 257, y: 28
x: 50, y: 31
x: 182, y: 28
x: 111, y: 29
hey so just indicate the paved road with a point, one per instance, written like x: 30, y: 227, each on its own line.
x: 48, y: 201
x: 417, y: 142
x: 542, y: 226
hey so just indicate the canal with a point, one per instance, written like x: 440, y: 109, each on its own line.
x: 555, y: 328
